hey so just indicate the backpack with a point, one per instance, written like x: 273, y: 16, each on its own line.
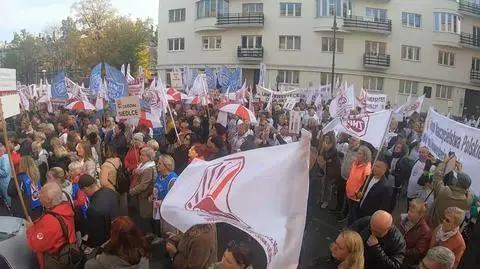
x: 123, y: 179
x: 77, y: 213
x: 68, y: 256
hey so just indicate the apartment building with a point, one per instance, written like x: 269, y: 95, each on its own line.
x: 398, y: 47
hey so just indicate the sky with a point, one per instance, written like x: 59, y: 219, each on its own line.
x: 36, y: 15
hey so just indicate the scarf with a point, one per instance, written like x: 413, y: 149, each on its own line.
x: 143, y: 166
x: 442, y: 236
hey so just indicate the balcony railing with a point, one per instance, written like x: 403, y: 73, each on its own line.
x: 475, y: 75
x: 250, y: 53
x: 232, y: 19
x: 368, y: 24
x: 470, y: 40
x: 469, y: 7
x: 378, y: 61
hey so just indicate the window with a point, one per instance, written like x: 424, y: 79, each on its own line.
x: 374, y: 48
x: 212, y: 42
x: 411, y: 20
x: 176, y: 44
x: 211, y: 8
x: 328, y: 43
x: 329, y: 7
x: 291, y: 9
x: 251, y: 42
x: 446, y: 22
x: 446, y: 58
x: 326, y: 78
x: 443, y: 92
x: 289, y: 42
x: 176, y: 15
x: 408, y: 87
x: 476, y: 64
x: 376, y: 13
x: 288, y: 77
x: 373, y: 83
x: 252, y: 8
x: 410, y: 53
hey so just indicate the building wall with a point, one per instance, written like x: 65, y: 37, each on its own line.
x: 311, y: 61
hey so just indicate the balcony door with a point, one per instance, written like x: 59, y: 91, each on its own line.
x: 376, y: 14
x: 476, y: 64
x: 252, y: 8
x: 251, y: 42
x: 374, y: 48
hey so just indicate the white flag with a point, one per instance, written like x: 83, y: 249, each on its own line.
x: 274, y: 214
x: 367, y: 127
x: 344, y: 102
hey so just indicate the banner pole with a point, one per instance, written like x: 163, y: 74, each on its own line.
x: 12, y: 167
x: 170, y: 112
x: 384, y: 136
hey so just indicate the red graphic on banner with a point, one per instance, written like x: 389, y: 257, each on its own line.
x: 356, y: 124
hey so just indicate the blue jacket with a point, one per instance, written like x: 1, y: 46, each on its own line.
x: 30, y: 189
x: 160, y: 188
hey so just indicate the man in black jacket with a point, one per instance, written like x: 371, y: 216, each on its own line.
x: 383, y: 243
x: 377, y: 191
x: 102, y: 210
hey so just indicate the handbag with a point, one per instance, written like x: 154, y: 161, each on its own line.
x: 68, y: 256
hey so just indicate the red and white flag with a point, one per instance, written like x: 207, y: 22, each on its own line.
x: 367, y: 127
x: 344, y: 102
x: 274, y: 214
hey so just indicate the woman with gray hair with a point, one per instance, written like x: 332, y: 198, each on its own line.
x: 438, y: 258
x: 146, y: 174
x: 448, y: 235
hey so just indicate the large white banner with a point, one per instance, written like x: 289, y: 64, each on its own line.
x: 367, y: 127
x: 275, y: 179
x: 344, y: 102
x: 442, y: 135
x: 375, y: 102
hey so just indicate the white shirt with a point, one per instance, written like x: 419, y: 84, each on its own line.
x: 370, y: 185
x: 414, y: 190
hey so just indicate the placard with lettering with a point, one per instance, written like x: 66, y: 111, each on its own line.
x: 128, y: 107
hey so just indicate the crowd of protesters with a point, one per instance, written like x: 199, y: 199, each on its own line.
x: 83, y: 176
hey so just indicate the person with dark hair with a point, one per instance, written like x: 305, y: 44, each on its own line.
x: 84, y: 152
x: 118, y: 140
x: 400, y: 169
x: 219, y: 130
x: 103, y: 208
x: 25, y: 144
x: 108, y: 170
x: 236, y: 256
x: 127, y: 248
x: 376, y: 192
x: 216, y: 147
x: 180, y: 154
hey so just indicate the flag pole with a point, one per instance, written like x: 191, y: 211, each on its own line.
x: 169, y: 111
x: 384, y: 136
x: 12, y: 168
x: 204, y: 86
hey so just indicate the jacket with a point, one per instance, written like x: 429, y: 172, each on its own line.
x: 5, y: 175
x: 356, y: 179
x: 197, y: 248
x: 389, y: 253
x: 46, y: 236
x: 348, y: 160
x: 102, y: 210
x: 446, y: 196
x: 132, y: 159
x: 455, y: 243
x: 143, y: 190
x: 107, y: 261
x: 332, y: 165
x: 378, y: 198
x: 417, y: 239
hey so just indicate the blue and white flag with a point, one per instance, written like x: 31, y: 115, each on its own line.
x: 116, y: 85
x: 230, y: 80
x: 59, y: 90
x: 211, y: 78
x: 263, y: 72
x: 96, y: 78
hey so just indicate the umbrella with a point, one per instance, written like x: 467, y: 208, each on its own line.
x: 175, y: 95
x: 240, y: 111
x: 80, y: 105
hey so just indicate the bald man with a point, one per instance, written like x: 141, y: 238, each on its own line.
x: 45, y: 237
x: 383, y: 243
x: 377, y: 190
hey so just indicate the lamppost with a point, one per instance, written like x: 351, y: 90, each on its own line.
x: 44, y: 76
x: 278, y: 82
x: 334, y: 28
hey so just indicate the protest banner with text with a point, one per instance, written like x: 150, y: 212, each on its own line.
x: 128, y: 107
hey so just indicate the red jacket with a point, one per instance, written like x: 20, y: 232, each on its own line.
x: 132, y: 159
x: 46, y: 236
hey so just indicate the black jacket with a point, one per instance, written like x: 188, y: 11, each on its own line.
x: 388, y: 253
x: 102, y: 210
x: 378, y: 198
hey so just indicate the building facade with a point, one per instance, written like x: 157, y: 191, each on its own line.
x: 398, y: 47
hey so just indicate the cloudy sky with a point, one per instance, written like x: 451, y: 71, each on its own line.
x: 37, y: 15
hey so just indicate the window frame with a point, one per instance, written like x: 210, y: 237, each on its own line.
x: 293, y: 74
x: 442, y: 21
x: 293, y: 42
x: 255, y: 5
x: 339, y: 42
x: 445, y: 58
x: 255, y: 40
x: 294, y: 8
x: 210, y: 40
x: 440, y: 89
x: 179, y: 44
x: 416, y: 51
x: 409, y: 85
x: 379, y: 45
x: 172, y: 17
x: 324, y: 8
x: 327, y: 78
x: 379, y: 81
x: 406, y: 16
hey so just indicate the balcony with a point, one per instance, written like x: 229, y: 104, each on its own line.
x: 250, y: 54
x: 475, y: 76
x: 376, y: 61
x: 468, y: 40
x: 469, y: 8
x: 240, y: 20
x: 368, y: 24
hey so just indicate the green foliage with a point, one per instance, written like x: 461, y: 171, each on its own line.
x: 96, y: 33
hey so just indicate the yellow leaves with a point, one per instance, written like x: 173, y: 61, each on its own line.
x: 143, y: 56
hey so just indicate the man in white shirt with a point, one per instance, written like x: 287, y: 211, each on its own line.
x: 414, y: 190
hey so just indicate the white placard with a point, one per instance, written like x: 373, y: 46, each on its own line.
x: 8, y: 80
x: 128, y: 107
x: 176, y: 80
x: 11, y: 105
x: 295, y: 122
x: 290, y: 103
x: 375, y: 102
